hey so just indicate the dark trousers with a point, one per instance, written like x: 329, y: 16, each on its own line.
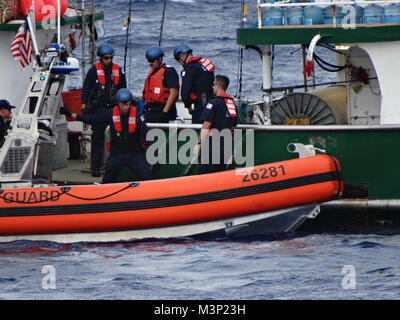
x: 97, y: 145
x: 196, y: 114
x: 134, y: 161
x: 210, y: 167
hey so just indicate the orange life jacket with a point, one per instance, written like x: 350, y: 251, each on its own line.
x: 205, y: 62
x: 101, y: 76
x: 230, y: 104
x: 207, y: 65
x: 131, y: 121
x: 154, y: 91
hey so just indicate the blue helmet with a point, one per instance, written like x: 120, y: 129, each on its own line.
x: 182, y: 48
x: 123, y: 95
x: 153, y: 53
x: 104, y: 49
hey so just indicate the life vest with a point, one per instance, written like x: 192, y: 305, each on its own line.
x: 124, y: 142
x: 154, y: 91
x: 131, y: 121
x: 230, y: 104
x: 101, y: 96
x: 230, y: 121
x: 205, y: 63
x: 100, y: 73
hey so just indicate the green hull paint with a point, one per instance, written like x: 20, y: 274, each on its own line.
x: 304, y: 35
x: 367, y: 158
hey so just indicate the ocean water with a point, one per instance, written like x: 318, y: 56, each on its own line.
x: 308, y: 266
x: 323, y: 266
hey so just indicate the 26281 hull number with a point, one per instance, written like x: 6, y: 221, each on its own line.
x: 263, y: 173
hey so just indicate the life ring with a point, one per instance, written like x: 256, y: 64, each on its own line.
x: 40, y: 7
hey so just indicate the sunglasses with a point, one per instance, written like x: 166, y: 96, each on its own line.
x: 151, y: 61
x: 107, y: 58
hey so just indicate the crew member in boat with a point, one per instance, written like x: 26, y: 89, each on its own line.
x: 128, y: 132
x: 219, y: 118
x: 161, y: 88
x: 101, y: 83
x: 5, y: 117
x: 197, y: 80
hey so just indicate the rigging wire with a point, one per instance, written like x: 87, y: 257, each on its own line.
x: 162, y: 23
x: 240, y: 52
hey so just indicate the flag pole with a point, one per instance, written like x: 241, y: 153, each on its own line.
x: 58, y: 23
x: 35, y: 47
x: 33, y: 13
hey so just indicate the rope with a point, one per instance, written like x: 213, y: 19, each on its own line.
x: 130, y: 185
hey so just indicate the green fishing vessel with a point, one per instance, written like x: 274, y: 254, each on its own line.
x: 355, y: 118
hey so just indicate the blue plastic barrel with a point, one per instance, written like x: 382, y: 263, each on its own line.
x: 313, y: 15
x: 294, y: 15
x: 328, y: 15
x: 373, y: 14
x: 392, y: 13
x: 359, y: 14
x: 272, y: 16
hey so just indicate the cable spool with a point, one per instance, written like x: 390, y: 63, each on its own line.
x: 325, y: 106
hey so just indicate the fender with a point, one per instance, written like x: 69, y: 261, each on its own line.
x: 40, y: 10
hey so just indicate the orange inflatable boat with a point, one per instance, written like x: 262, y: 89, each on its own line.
x: 231, y: 202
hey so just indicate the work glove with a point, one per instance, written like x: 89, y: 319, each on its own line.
x: 65, y: 111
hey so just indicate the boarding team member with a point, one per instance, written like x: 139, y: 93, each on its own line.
x: 128, y: 132
x: 5, y: 117
x: 101, y: 84
x: 161, y: 88
x: 219, y: 113
x: 197, y: 80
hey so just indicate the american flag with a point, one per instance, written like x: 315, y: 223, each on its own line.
x: 21, y: 46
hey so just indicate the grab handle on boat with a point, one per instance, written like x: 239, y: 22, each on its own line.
x: 303, y: 150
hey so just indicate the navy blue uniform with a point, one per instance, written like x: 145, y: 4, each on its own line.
x: 100, y: 98
x: 126, y: 149
x: 153, y: 111
x: 216, y: 112
x: 196, y: 79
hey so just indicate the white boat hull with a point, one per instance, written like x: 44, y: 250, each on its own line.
x: 283, y: 221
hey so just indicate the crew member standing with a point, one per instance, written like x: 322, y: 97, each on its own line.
x: 5, y: 117
x: 101, y: 84
x: 219, y: 114
x: 197, y: 80
x: 161, y: 88
x: 128, y: 133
